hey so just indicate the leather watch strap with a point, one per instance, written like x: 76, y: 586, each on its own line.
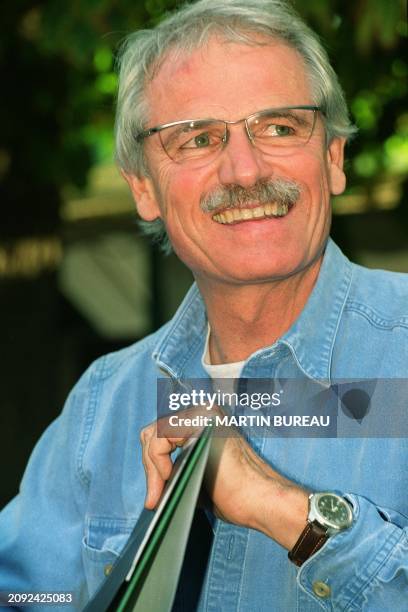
x: 311, y: 539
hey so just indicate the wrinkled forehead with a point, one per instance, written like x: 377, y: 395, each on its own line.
x: 226, y: 80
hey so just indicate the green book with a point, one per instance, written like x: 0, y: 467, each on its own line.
x: 145, y: 577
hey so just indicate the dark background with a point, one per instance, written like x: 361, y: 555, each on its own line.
x: 76, y: 278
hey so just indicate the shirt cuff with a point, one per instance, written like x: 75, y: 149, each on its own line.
x: 345, y: 567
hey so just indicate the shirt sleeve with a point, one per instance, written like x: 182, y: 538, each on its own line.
x: 364, y: 568
x: 41, y: 529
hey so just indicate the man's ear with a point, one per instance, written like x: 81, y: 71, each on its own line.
x: 335, y: 161
x: 143, y: 195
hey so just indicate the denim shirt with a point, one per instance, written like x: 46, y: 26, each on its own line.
x: 84, y: 486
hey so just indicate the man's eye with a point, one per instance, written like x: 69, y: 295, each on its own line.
x: 198, y: 142
x: 275, y: 129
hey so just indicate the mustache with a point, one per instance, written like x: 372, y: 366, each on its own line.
x: 283, y: 191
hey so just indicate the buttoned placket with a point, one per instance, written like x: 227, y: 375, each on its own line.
x: 224, y: 585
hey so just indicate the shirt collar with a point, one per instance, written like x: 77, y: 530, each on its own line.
x: 310, y: 339
x: 312, y: 336
x: 183, y: 336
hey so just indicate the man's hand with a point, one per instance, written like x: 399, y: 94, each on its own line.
x: 243, y: 489
x: 156, y: 461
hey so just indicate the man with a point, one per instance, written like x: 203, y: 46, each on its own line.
x: 231, y: 129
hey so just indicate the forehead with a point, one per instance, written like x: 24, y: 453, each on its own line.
x: 227, y: 80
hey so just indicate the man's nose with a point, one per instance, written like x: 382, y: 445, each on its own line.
x: 240, y: 162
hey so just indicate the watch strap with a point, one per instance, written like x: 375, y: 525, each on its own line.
x: 310, y: 541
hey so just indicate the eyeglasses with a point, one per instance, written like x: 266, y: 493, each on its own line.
x: 274, y: 131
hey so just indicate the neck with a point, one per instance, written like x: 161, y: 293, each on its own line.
x: 246, y: 318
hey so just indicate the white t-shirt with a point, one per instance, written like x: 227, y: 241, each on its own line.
x: 222, y: 370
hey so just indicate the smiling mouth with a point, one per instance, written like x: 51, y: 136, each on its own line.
x: 268, y: 211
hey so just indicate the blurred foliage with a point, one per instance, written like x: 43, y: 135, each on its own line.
x: 57, y: 63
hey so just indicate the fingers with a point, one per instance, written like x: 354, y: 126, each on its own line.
x: 159, y: 440
x: 157, y: 462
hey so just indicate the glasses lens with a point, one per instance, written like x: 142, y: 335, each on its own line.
x: 281, y: 129
x: 193, y: 140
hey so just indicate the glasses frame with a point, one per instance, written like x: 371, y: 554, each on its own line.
x: 140, y: 136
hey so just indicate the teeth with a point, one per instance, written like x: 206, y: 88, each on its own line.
x: 258, y: 212
x: 273, y: 212
x: 243, y: 214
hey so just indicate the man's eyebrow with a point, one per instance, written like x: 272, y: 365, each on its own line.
x: 287, y: 114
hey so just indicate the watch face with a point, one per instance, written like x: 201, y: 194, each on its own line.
x: 334, y: 509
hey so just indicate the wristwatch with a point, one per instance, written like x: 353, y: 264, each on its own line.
x: 329, y: 514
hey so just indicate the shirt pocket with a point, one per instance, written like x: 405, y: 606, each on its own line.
x: 393, y: 516
x: 102, y: 544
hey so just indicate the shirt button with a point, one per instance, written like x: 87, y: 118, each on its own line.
x: 321, y: 589
x: 107, y: 569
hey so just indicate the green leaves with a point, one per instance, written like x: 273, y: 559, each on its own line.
x: 61, y: 55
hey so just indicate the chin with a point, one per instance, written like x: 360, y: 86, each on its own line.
x: 254, y: 274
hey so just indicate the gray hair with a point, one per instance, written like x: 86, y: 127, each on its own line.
x: 189, y: 28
